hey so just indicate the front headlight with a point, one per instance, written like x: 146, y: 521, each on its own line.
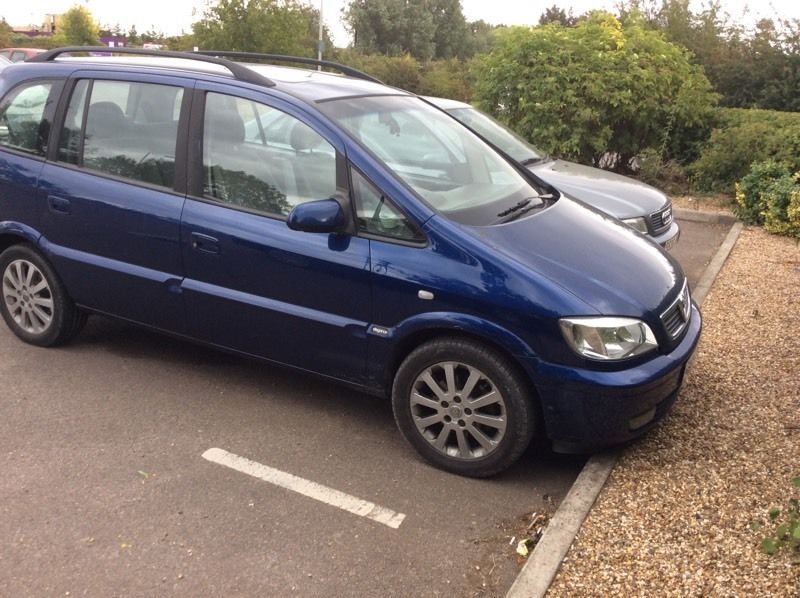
x: 608, y: 338
x: 638, y: 223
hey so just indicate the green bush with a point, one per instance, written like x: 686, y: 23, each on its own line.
x: 777, y: 199
x: 596, y: 88
x: 751, y: 191
x: 398, y: 71
x: 668, y: 175
x: 770, y: 195
x: 741, y: 137
x: 451, y: 78
x: 447, y: 79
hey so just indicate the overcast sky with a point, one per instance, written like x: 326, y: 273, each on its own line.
x: 173, y: 16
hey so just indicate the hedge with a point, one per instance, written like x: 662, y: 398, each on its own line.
x: 741, y: 137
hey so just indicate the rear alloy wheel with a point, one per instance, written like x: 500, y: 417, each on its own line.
x: 463, y: 407
x: 34, y: 303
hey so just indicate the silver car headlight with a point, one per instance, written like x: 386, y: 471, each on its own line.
x: 607, y: 338
x: 639, y: 224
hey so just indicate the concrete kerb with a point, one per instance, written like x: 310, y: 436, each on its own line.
x: 542, y: 566
x: 706, y: 217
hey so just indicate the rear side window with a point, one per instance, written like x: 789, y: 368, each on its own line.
x: 23, y: 125
x: 124, y: 129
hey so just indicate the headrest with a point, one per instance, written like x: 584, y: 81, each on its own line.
x: 304, y: 137
x: 105, y: 120
x: 225, y: 126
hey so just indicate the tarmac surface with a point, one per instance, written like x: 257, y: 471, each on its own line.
x: 105, y: 490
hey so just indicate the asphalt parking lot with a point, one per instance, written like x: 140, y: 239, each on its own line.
x: 105, y: 490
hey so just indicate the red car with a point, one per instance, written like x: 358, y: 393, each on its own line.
x: 20, y: 54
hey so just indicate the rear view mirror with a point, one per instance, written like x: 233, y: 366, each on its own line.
x: 322, y: 216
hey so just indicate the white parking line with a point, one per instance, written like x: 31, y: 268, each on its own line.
x: 307, y: 488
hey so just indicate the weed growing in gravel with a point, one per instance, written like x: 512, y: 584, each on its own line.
x: 787, y: 528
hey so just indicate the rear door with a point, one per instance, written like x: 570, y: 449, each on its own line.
x: 111, y: 198
x: 26, y: 113
x: 251, y: 282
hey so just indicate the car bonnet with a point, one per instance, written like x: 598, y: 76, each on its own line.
x: 604, y: 263
x: 620, y: 196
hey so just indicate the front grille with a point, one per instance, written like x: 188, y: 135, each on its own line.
x: 676, y: 316
x: 660, y: 220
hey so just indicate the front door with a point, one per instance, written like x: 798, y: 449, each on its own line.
x: 252, y: 283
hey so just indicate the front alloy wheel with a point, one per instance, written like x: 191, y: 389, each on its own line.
x: 463, y: 406
x: 458, y: 410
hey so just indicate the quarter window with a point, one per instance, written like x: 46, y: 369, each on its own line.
x: 125, y: 129
x: 260, y: 158
x: 23, y: 125
x: 376, y: 215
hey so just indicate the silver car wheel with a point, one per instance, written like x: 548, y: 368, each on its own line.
x: 458, y: 410
x: 28, y: 297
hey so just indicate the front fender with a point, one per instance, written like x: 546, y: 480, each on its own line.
x: 389, y: 346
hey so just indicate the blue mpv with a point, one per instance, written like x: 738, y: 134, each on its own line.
x: 340, y: 227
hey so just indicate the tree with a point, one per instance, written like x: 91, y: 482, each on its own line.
x: 392, y: 28
x: 272, y: 26
x: 133, y: 36
x: 425, y: 29
x: 756, y: 67
x: 557, y: 15
x: 77, y: 28
x: 480, y: 37
x: 6, y: 33
x: 450, y: 29
x: 596, y: 88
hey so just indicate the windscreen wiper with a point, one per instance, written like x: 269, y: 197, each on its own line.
x: 532, y: 161
x: 521, y: 207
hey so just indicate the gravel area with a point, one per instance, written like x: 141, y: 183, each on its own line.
x: 675, y: 517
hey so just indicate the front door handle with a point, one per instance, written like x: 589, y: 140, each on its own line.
x: 204, y: 243
x: 59, y: 205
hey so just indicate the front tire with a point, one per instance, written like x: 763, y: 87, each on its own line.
x: 463, y: 407
x: 34, y: 303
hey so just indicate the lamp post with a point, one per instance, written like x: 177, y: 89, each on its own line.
x: 320, y: 43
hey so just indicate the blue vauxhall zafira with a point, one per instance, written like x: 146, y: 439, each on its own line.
x: 340, y: 227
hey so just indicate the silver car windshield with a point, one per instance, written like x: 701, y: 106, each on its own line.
x: 491, y: 130
x: 448, y: 166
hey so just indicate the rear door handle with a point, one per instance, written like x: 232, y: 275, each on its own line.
x: 60, y: 205
x: 201, y: 242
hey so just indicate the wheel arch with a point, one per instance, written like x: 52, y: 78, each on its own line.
x: 14, y: 233
x: 412, y: 335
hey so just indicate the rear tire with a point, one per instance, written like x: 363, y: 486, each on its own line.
x: 33, y: 300
x: 463, y: 406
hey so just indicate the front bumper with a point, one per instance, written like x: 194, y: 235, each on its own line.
x: 586, y: 410
x: 669, y: 238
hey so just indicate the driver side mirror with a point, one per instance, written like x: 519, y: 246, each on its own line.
x: 321, y: 216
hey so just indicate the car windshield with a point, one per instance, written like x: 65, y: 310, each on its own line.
x: 501, y: 136
x: 448, y: 166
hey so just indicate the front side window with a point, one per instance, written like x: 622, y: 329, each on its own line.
x: 124, y: 129
x: 23, y: 125
x: 448, y: 166
x: 260, y: 158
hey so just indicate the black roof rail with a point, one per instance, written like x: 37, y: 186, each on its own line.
x: 347, y: 70
x: 239, y: 72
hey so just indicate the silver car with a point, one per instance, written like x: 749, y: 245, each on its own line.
x: 641, y: 206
